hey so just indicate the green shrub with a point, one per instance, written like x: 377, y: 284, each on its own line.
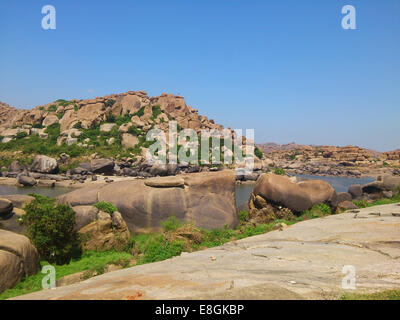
x: 123, y: 119
x: 243, y: 216
x: 106, y: 207
x: 110, y: 118
x: 156, y: 111
x: 279, y: 171
x: 78, y: 125
x: 51, y: 229
x: 172, y: 223
x: 258, y: 153
x: 52, y: 108
x: 155, y: 247
x: 133, y: 130
x: 21, y: 135
x: 361, y: 204
x: 317, y: 211
x: 110, y: 103
x: 140, y: 112
x: 37, y: 126
x: 63, y: 103
x: 53, y: 130
x: 76, y: 108
x: 60, y: 115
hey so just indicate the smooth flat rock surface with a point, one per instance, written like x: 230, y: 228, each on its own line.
x: 303, y: 261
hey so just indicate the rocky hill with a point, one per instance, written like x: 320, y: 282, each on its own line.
x: 270, y: 147
x: 332, y: 160
x: 93, y: 112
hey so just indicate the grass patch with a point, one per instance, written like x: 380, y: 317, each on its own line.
x: 106, y: 207
x: 382, y: 295
x: 279, y: 171
x: 364, y: 204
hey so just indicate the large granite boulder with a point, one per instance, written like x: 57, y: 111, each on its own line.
x: 319, y: 191
x: 205, y: 199
x: 282, y: 191
x: 18, y: 258
x: 44, y: 164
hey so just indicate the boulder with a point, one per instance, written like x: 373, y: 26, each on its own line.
x: 84, y: 215
x: 165, y: 182
x: 19, y: 200
x: 82, y: 168
x: 105, y: 166
x: 49, y: 120
x: 26, y: 181
x: 44, y: 164
x: 385, y: 183
x: 173, y: 169
x: 105, y: 233
x: 387, y: 194
x: 319, y: 191
x: 251, y: 176
x: 107, y: 127
x: 15, y: 167
x: 18, y: 258
x: 355, y: 191
x: 280, y: 190
x: 135, y: 120
x: 159, y: 170
x: 207, y: 200
x: 6, y: 207
x: 129, y: 140
x: 347, y: 205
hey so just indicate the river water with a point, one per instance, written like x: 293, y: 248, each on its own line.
x: 44, y: 191
x: 243, y: 191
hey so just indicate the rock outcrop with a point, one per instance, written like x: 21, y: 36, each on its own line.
x: 106, y: 232
x: 303, y: 261
x: 92, y: 112
x: 205, y: 199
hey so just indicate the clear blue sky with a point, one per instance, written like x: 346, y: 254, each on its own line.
x: 285, y: 68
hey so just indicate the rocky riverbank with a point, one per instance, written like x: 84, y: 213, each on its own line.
x: 303, y: 261
x: 106, y: 214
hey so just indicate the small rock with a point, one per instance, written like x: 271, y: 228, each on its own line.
x: 26, y: 181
